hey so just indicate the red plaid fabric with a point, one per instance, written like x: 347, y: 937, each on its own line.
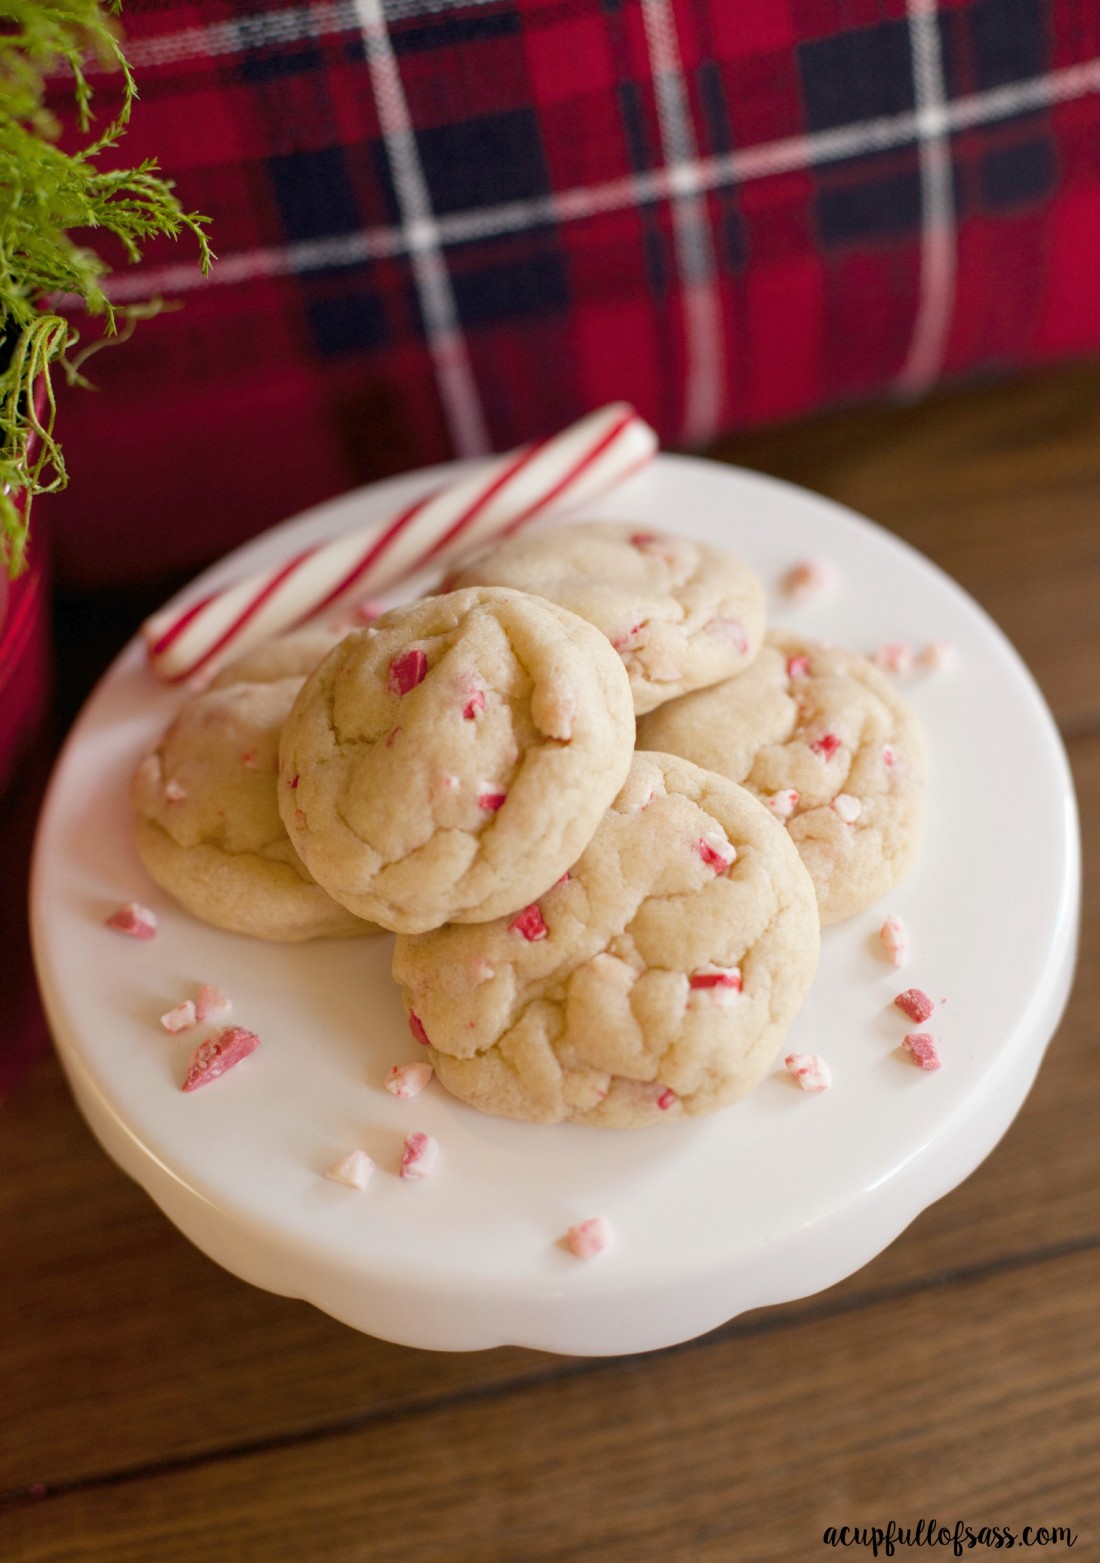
x: 446, y: 227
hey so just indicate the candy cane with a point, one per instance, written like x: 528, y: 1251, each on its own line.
x: 568, y: 469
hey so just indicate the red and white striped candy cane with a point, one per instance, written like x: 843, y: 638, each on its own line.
x: 566, y: 470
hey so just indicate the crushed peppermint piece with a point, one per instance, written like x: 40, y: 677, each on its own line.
x: 213, y: 1057
x: 136, y: 920
x: 391, y: 737
x: 810, y: 1070
x: 798, y: 667
x: 847, y: 807
x: 642, y: 539
x: 419, y: 1155
x: 416, y: 1026
x: 475, y: 704
x: 529, y: 923
x: 293, y: 782
x: 589, y: 1238
x: 353, y: 1170
x: 622, y: 642
x: 810, y: 578
x: 490, y: 799
x: 732, y: 629
x: 181, y: 1017
x: 895, y: 656
x: 715, y: 985
x: 937, y: 655
x: 406, y: 671
x: 915, y: 1003
x: 921, y: 1045
x: 716, y: 851
x: 212, y: 1001
x: 173, y: 792
x: 782, y: 804
x: 826, y: 746
x: 667, y: 1099
x: 895, y: 939
x: 408, y: 1080
x: 889, y: 755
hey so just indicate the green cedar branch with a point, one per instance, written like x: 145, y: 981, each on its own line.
x: 47, y: 195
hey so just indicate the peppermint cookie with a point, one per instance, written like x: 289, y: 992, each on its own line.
x: 207, y: 820
x: 827, y: 742
x: 656, y: 979
x: 681, y: 614
x: 451, y: 760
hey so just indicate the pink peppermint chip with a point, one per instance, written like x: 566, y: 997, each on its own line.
x: 937, y: 655
x: 917, y: 1005
x: 718, y: 985
x: 715, y: 851
x: 922, y: 1046
x: 666, y: 1100
x: 220, y: 1053
x: 589, y: 1238
x: 826, y: 746
x: 353, y: 1170
x: 782, y: 804
x: 730, y: 629
x: 134, y: 919
x: 895, y: 939
x: 416, y: 1026
x: 622, y: 642
x: 490, y: 800
x: 408, y: 1080
x: 174, y: 793
x: 896, y: 656
x: 475, y: 704
x: 406, y: 671
x: 716, y: 977
x: 181, y: 1017
x: 212, y: 1001
x: 847, y: 808
x: 798, y: 667
x: 889, y: 755
x: 529, y: 923
x: 810, y: 1070
x: 419, y: 1156
x: 810, y: 578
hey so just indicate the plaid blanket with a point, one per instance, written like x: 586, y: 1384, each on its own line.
x: 446, y: 226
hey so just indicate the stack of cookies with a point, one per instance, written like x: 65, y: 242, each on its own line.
x: 603, y: 811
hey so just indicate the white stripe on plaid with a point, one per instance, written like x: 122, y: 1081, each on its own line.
x: 454, y: 373
x: 828, y: 146
x: 937, y: 259
x: 267, y: 29
x: 691, y: 227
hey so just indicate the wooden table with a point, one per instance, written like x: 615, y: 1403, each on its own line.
x: 152, y: 1407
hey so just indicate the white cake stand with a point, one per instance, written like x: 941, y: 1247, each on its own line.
x: 775, y: 1198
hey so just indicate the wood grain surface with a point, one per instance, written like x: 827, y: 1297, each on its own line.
x: 155, y: 1408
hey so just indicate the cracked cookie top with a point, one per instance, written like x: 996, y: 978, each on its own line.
x: 451, y: 760
x: 657, y: 978
x: 681, y: 614
x: 207, y: 820
x: 826, y: 741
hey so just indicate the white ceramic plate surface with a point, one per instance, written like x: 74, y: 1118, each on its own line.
x: 772, y: 1199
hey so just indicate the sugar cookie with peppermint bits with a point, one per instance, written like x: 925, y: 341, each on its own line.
x: 656, y: 980
x: 450, y: 761
x: 681, y: 614
x: 207, y: 820
x: 832, y: 749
